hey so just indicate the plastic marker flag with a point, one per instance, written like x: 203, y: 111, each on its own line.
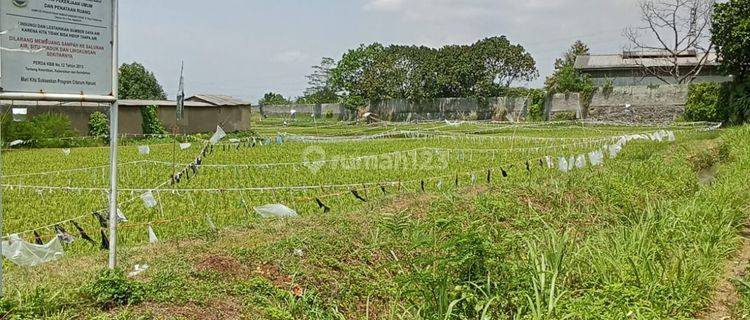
x: 671, y: 137
x: 184, y: 146
x: 121, y: 216
x: 275, y: 211
x: 614, y: 150
x: 152, y: 239
x: 66, y: 151
x: 321, y: 205
x: 356, y: 195
x: 596, y: 158
x: 211, y: 224
x: 563, y: 164
x: 25, y: 254
x: 38, y: 238
x: 218, y: 135
x: 64, y: 236
x: 581, y: 161
x: 84, y: 235
x: 144, y: 150
x: 550, y: 162
x: 148, y: 200
x: 181, y: 94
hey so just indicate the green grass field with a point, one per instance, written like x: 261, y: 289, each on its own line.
x: 647, y: 235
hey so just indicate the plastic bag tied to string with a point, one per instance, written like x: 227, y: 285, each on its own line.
x: 148, y: 200
x: 144, y: 150
x: 218, y: 135
x: 25, y: 254
x: 152, y: 235
x: 275, y: 211
x: 562, y: 164
x: 581, y: 161
x: 596, y: 158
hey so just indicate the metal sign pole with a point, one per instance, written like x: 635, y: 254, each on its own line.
x: 113, y: 124
x: 2, y: 145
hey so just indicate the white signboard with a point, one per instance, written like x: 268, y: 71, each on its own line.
x: 56, y: 46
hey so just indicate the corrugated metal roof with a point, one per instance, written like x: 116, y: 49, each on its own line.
x: 618, y: 61
x: 123, y: 103
x: 219, y: 100
x: 163, y: 103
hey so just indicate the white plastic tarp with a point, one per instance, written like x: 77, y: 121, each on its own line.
x: 275, y: 211
x: 218, y: 135
x: 26, y: 254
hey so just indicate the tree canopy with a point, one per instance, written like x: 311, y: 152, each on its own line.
x: 376, y: 72
x: 731, y: 35
x: 137, y: 82
x: 565, y: 78
x: 320, y: 88
x: 272, y: 98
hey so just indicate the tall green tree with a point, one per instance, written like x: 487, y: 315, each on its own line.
x: 501, y: 63
x: 731, y: 35
x: 137, y: 82
x: 562, y: 78
x: 272, y: 98
x: 320, y: 87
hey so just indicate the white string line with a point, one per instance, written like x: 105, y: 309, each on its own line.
x: 121, y: 204
x: 456, y: 150
x: 301, y: 163
x: 96, y: 189
x: 71, y: 170
x: 271, y: 189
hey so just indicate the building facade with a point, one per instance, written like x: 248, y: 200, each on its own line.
x: 202, y: 113
x: 650, y: 68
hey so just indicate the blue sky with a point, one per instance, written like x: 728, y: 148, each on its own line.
x: 245, y: 48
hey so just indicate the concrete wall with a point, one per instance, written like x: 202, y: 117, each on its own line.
x: 663, y: 103
x: 335, y: 110
x: 450, y: 109
x: 636, y: 77
x: 196, y: 120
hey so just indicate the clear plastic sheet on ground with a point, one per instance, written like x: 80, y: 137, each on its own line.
x: 26, y: 254
x: 275, y: 211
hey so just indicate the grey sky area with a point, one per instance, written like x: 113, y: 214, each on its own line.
x: 247, y: 47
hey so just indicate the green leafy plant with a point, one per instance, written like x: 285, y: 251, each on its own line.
x: 112, y: 288
x: 703, y: 102
x: 98, y: 124
x: 151, y: 123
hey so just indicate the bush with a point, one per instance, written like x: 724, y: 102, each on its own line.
x: 112, y: 288
x: 151, y: 123
x: 40, y: 128
x: 564, y: 116
x: 735, y: 99
x: 703, y: 102
x: 98, y: 125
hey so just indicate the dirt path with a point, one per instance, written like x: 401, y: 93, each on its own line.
x: 726, y: 295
